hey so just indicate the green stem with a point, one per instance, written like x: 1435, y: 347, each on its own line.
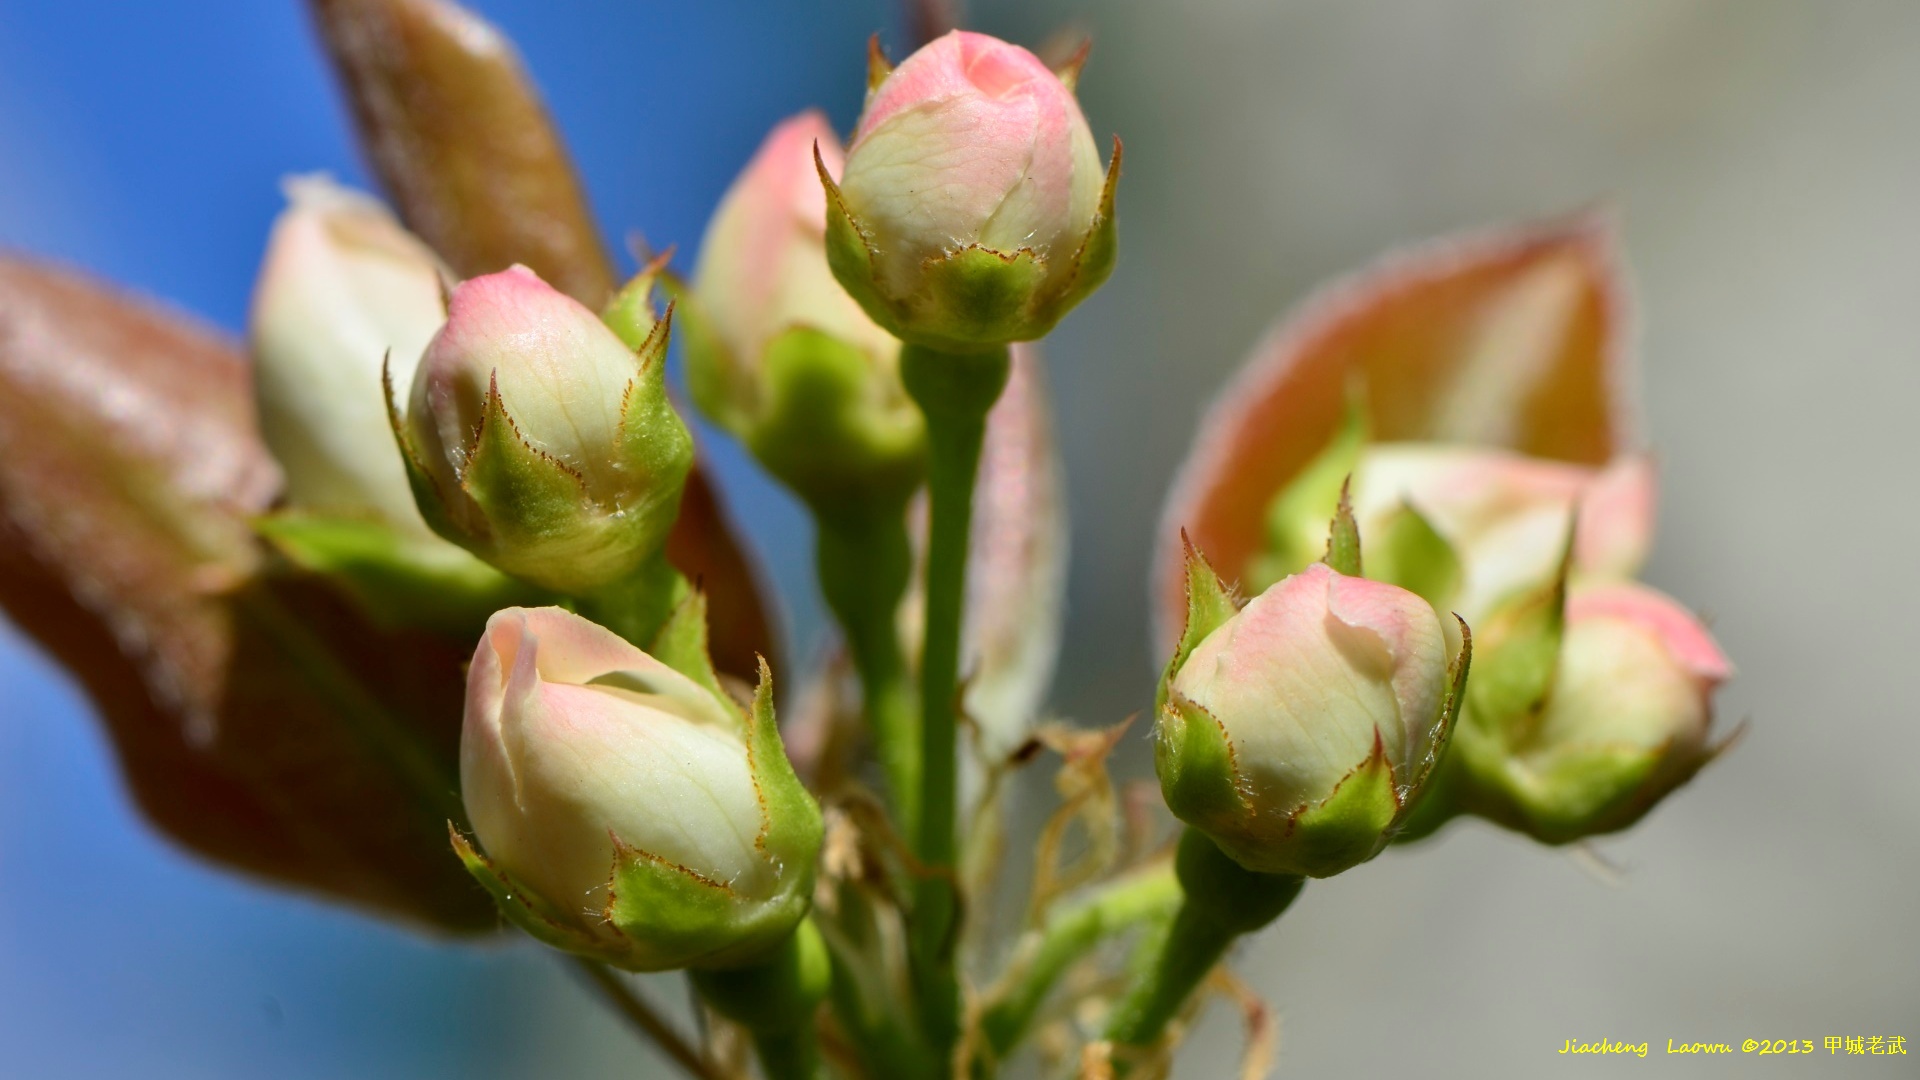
x: 788, y: 1055
x: 1069, y: 934
x: 1188, y: 951
x: 1223, y: 900
x: 954, y: 392
x: 642, y: 1016
x: 637, y: 606
x: 775, y: 999
x: 865, y: 562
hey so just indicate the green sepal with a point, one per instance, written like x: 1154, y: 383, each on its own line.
x: 1582, y: 790
x: 1437, y: 802
x: 681, y: 644
x: 427, y: 496
x: 1100, y: 249
x: 1522, y: 656
x: 878, y: 66
x: 850, y: 254
x: 1343, y: 535
x: 631, y: 314
x: 1457, y: 681
x: 529, y: 498
x: 522, y: 907
x: 1199, y: 774
x: 397, y: 581
x: 1297, y: 515
x: 656, y: 449
x: 794, y: 825
x: 827, y: 429
x: 1349, y: 826
x: 1210, y: 603
x: 1409, y: 552
x: 675, y: 916
x: 1435, y: 794
x: 977, y: 296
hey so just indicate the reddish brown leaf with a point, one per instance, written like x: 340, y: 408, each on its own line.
x: 1516, y: 337
x: 462, y: 142
x: 464, y: 147
x: 259, y: 721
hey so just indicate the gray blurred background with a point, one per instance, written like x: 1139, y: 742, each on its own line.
x: 1765, y: 158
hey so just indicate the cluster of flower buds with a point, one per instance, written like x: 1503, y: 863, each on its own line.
x: 626, y: 809
x: 779, y: 354
x: 1591, y: 696
x: 537, y: 439
x: 973, y: 210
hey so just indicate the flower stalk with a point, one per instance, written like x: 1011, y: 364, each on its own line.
x: 954, y: 392
x: 1223, y: 900
x: 865, y: 561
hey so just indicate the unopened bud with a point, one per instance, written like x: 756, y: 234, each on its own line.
x: 974, y: 210
x: 778, y: 353
x: 627, y: 810
x: 1297, y: 731
x: 343, y: 287
x: 1616, y: 716
x: 539, y: 441
x: 1470, y: 528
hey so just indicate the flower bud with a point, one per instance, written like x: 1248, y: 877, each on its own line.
x: 1585, y: 736
x: 778, y: 353
x: 342, y: 287
x: 973, y: 211
x: 627, y: 810
x: 1468, y: 527
x: 540, y: 442
x: 1299, y: 730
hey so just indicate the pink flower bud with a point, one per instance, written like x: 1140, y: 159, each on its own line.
x: 342, y: 288
x: 763, y: 263
x: 540, y: 441
x: 1627, y: 720
x: 778, y: 353
x: 1506, y: 515
x: 583, y: 761
x: 973, y: 189
x: 1331, y: 695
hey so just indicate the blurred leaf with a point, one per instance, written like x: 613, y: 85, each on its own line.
x: 1016, y: 563
x: 1516, y: 337
x: 259, y: 720
x: 463, y: 145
